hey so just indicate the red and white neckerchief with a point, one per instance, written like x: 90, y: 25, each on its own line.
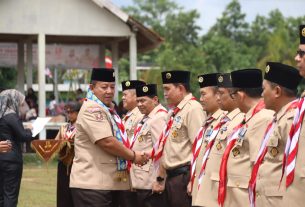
x: 70, y: 132
x: 139, y: 127
x: 137, y: 131
x: 197, y: 146
x: 208, y: 148
x: 126, y: 117
x: 121, y: 127
x: 261, y: 154
x: 291, y: 148
x: 230, y: 144
x: 158, y: 148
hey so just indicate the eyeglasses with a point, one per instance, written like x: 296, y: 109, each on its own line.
x: 233, y: 93
x: 300, y: 53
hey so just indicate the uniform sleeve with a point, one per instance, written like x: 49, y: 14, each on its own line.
x: 157, y: 127
x: 284, y: 127
x: 59, y: 134
x: 256, y: 135
x: 194, y: 120
x: 96, y: 125
x: 20, y: 134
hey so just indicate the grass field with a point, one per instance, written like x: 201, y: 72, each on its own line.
x: 38, y: 185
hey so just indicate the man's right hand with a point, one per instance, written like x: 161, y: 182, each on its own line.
x: 5, y: 146
x: 141, y: 158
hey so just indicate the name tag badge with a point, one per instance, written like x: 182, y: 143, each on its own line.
x: 223, y: 129
x: 130, y: 123
x: 178, y: 119
x: 144, y: 126
x: 208, y: 132
x: 242, y: 133
x: 241, y: 136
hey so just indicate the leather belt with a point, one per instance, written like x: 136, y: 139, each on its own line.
x: 178, y: 171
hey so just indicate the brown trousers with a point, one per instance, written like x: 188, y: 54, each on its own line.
x: 96, y: 198
x: 143, y: 198
x: 176, y: 191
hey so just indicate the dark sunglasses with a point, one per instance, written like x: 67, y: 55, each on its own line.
x: 300, y: 53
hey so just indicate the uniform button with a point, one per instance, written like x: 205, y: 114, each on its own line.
x: 257, y: 194
x: 237, y: 184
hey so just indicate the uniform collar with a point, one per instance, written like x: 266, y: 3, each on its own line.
x: 282, y: 112
x: 155, y: 110
x: 217, y: 114
x: 185, y: 100
x: 233, y: 113
x: 135, y: 110
x: 250, y: 112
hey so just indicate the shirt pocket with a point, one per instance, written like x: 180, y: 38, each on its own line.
x: 302, y: 172
x: 235, y: 181
x: 108, y: 159
x: 273, y: 153
x: 144, y: 137
x: 178, y: 131
x: 274, y: 191
x: 145, y: 168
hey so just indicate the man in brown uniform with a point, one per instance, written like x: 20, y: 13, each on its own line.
x: 242, y: 147
x: 184, y: 122
x: 207, y: 195
x: 129, y: 99
x: 209, y: 101
x: 146, y: 135
x: 294, y: 195
x: 101, y: 147
x: 130, y: 122
x: 279, y: 92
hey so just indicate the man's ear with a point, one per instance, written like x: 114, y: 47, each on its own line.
x: 156, y: 100
x: 181, y: 88
x: 91, y: 86
x: 241, y: 95
x: 278, y: 91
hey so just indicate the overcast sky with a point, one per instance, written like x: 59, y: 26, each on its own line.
x: 210, y: 10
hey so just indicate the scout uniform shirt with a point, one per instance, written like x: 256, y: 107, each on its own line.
x: 242, y: 157
x: 269, y: 174
x: 294, y: 195
x: 142, y: 177
x: 94, y: 168
x: 216, y: 119
x: 178, y: 147
x: 131, y: 120
x: 207, y: 195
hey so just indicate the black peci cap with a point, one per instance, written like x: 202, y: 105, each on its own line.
x: 224, y: 80
x: 247, y: 78
x: 132, y: 84
x: 176, y: 76
x: 103, y: 74
x: 284, y: 75
x: 206, y: 80
x: 147, y: 90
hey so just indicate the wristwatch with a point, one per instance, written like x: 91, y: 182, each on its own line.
x: 159, y: 179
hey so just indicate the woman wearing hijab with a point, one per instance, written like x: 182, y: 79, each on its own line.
x: 66, y: 155
x: 11, y: 131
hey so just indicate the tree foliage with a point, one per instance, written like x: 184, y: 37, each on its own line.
x: 231, y: 43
